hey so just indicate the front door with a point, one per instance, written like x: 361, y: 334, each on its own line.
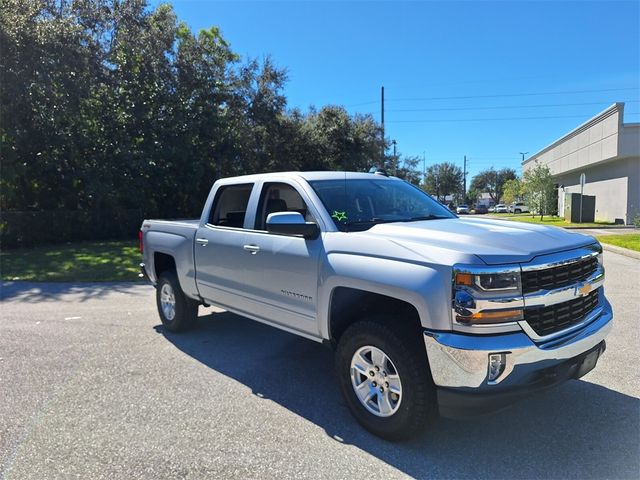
x: 282, y: 270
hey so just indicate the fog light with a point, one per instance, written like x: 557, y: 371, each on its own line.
x: 497, y: 363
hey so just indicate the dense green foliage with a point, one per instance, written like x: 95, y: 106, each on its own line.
x: 512, y: 190
x: 538, y: 187
x: 443, y: 179
x: 492, y: 182
x: 113, y: 105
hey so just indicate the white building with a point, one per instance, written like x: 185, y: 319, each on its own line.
x: 607, y: 151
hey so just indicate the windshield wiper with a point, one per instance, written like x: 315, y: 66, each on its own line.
x: 424, y: 217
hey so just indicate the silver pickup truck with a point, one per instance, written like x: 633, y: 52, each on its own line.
x: 427, y: 313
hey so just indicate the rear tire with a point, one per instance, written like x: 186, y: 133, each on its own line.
x: 177, y: 311
x: 385, y: 378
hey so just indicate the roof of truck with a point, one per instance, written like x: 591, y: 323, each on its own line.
x: 311, y: 176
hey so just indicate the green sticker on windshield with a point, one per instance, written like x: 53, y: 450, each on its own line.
x: 339, y: 215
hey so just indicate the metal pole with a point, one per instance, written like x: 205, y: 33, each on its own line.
x: 382, y: 122
x: 424, y: 168
x: 583, y: 179
x: 464, y: 181
x: 581, y: 191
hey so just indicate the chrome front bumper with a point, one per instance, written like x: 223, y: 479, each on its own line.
x: 460, y: 361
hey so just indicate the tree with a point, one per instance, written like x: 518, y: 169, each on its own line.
x: 443, y: 179
x: 492, y: 182
x: 409, y: 170
x: 115, y: 105
x: 538, y: 186
x: 512, y: 191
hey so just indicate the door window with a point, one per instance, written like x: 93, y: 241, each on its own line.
x: 230, y: 206
x: 280, y: 197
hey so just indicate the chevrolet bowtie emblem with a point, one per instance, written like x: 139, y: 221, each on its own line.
x: 584, y: 289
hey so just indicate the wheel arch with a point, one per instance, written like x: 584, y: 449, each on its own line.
x: 349, y: 305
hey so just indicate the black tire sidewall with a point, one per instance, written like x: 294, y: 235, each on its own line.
x: 417, y: 406
x: 184, y: 316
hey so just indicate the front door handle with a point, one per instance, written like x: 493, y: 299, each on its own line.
x: 253, y: 249
x: 202, y: 241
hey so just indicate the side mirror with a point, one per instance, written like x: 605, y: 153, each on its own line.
x: 292, y: 223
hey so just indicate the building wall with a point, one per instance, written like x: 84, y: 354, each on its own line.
x: 607, y: 151
x: 615, y: 184
x: 592, y: 143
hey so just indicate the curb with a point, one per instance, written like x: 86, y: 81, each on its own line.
x: 602, y: 227
x: 621, y: 251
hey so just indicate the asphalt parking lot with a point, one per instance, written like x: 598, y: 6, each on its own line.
x: 92, y: 387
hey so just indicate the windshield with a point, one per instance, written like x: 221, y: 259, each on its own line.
x: 358, y: 204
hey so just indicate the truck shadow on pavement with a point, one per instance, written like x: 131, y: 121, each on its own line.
x: 579, y: 430
x: 32, y: 292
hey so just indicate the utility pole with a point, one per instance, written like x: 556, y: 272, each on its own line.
x: 464, y: 181
x: 382, y: 122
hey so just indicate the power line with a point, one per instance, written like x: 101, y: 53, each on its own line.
x: 502, y: 107
x: 495, y: 119
x: 501, y: 95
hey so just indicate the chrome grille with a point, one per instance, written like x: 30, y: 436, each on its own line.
x: 554, y: 318
x: 558, y: 277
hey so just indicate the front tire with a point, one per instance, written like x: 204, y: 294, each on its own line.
x: 517, y: 210
x: 177, y: 311
x: 384, y: 376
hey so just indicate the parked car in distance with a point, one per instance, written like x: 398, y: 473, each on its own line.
x: 518, y: 207
x: 501, y: 208
x: 480, y: 209
x: 462, y: 209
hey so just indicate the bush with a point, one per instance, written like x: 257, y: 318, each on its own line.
x: 28, y: 229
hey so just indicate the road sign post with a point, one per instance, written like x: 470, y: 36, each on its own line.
x: 583, y: 179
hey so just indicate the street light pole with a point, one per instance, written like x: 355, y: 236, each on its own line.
x: 382, y: 122
x: 523, y: 154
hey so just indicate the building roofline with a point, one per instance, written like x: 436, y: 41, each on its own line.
x: 617, y: 107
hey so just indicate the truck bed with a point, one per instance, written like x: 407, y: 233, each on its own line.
x: 174, y: 238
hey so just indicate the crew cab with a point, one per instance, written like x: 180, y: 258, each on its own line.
x: 428, y: 313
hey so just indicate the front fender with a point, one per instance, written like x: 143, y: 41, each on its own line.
x: 426, y: 287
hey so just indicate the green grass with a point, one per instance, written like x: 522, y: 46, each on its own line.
x: 630, y: 241
x: 553, y: 221
x: 79, y: 262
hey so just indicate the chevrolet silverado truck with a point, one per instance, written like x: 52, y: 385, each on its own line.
x: 427, y: 313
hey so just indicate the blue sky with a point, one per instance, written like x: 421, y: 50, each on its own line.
x: 571, y: 59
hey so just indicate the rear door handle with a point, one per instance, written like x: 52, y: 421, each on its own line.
x: 202, y: 241
x: 253, y: 249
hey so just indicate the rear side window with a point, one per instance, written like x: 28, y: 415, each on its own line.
x: 230, y: 206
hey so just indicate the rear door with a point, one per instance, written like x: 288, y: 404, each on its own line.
x: 219, y: 253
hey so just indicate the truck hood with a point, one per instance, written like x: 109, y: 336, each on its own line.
x: 493, y: 241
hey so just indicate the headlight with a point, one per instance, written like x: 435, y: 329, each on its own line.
x: 490, y: 282
x: 487, y: 296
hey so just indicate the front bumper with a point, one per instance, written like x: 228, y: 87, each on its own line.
x: 460, y: 368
